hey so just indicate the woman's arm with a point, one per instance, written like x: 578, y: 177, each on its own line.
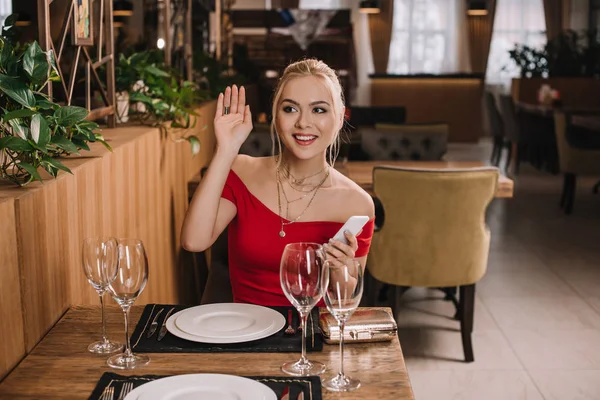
x: 209, y: 214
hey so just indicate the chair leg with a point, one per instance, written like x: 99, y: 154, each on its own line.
x: 596, y: 187
x: 565, y: 190
x: 571, y: 193
x: 508, y: 157
x: 450, y: 293
x: 467, y: 309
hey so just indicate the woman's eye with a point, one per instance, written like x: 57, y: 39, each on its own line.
x: 319, y: 110
x: 289, y: 109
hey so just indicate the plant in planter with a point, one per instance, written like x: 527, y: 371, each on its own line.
x: 34, y: 131
x: 167, y: 99
x: 531, y: 61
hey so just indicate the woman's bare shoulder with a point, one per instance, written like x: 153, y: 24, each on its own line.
x: 250, y: 168
x: 356, y: 201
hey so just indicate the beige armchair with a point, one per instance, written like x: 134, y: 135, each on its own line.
x: 434, y: 233
x: 578, y: 154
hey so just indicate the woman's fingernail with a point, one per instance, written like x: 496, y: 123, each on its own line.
x: 331, y: 240
x: 348, y: 232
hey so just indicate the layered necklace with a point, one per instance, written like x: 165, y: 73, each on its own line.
x: 300, y: 186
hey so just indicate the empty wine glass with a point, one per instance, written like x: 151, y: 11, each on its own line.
x: 342, y: 290
x: 131, y: 279
x: 99, y: 260
x: 300, y: 275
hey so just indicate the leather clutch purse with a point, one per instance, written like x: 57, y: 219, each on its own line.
x: 365, y: 325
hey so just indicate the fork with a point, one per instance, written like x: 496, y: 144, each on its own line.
x: 108, y: 393
x: 290, y: 329
x: 125, y: 389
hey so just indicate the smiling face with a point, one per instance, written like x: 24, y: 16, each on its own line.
x: 306, y: 120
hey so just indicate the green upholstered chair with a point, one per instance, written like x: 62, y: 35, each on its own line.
x: 434, y: 233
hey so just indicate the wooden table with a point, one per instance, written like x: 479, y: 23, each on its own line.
x: 591, y: 122
x: 361, y: 172
x: 60, y: 366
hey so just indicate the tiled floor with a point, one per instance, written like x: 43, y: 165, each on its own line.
x: 537, y: 318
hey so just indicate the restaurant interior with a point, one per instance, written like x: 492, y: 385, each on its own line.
x: 474, y: 126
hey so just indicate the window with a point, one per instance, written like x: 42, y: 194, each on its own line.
x: 424, y: 37
x: 5, y: 10
x: 517, y: 21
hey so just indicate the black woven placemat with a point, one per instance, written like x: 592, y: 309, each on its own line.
x: 310, y: 386
x: 278, y: 342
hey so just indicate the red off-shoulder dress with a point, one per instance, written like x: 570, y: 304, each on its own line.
x: 255, y: 247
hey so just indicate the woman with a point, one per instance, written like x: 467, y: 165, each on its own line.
x: 269, y: 202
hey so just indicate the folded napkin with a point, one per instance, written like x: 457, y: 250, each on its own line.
x: 278, y: 342
x: 310, y: 386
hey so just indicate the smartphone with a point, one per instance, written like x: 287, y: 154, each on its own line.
x: 353, y: 225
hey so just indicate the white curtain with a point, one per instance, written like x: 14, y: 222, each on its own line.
x: 517, y: 21
x: 429, y: 36
x: 5, y: 10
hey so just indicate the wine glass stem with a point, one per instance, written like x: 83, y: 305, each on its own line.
x: 127, y: 342
x: 341, y: 325
x: 104, y: 339
x: 303, y: 317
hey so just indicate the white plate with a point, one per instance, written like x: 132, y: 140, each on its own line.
x: 202, y: 386
x: 226, y: 320
x: 225, y: 323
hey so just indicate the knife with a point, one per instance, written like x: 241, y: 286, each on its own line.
x: 163, y: 328
x: 154, y: 324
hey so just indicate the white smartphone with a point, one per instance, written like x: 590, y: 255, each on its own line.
x: 353, y: 225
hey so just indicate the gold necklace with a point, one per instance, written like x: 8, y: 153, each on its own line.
x: 280, y: 187
x: 300, y: 181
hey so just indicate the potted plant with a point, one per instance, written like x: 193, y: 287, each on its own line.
x: 34, y: 131
x: 167, y: 100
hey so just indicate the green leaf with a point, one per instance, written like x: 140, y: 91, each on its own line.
x: 81, y: 144
x: 15, y: 144
x: 55, y: 163
x: 151, y: 69
x: 137, y: 96
x: 35, y: 63
x: 65, y: 144
x: 6, y: 55
x: 195, y: 143
x: 45, y: 105
x: 23, y: 112
x: 70, y: 115
x: 40, y: 132
x: 31, y: 170
x: 100, y: 138
x: 17, y: 90
x: 11, y: 20
x: 18, y: 129
x: 39, y: 147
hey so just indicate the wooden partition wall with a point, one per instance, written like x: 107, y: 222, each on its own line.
x: 137, y: 190
x: 453, y: 101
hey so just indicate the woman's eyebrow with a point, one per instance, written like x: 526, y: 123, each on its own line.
x: 314, y: 103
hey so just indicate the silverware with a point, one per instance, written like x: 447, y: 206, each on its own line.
x: 108, y: 393
x: 163, y: 328
x: 290, y: 329
x: 154, y: 324
x: 125, y: 389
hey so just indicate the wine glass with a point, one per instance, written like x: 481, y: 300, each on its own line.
x: 342, y: 291
x: 300, y: 275
x: 131, y: 279
x: 99, y: 260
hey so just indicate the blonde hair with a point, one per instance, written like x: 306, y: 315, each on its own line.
x: 316, y: 68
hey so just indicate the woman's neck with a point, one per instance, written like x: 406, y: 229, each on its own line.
x: 301, y: 169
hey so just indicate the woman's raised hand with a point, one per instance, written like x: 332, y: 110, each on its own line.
x: 233, y: 120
